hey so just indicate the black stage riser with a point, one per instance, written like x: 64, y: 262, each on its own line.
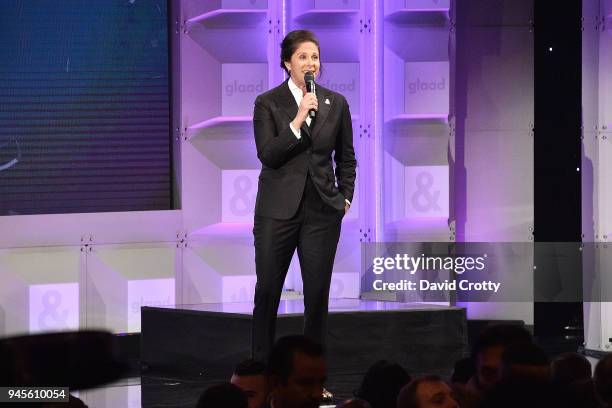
x: 211, y: 343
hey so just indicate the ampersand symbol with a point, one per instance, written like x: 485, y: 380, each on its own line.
x: 51, y: 301
x: 424, y: 182
x: 242, y: 186
x: 337, y: 288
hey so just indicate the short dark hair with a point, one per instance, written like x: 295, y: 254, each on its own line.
x: 292, y: 41
x: 407, y: 397
x: 524, y: 363
x: 250, y: 367
x: 224, y: 395
x: 603, y: 379
x: 464, y: 370
x: 500, y: 335
x: 526, y: 354
x: 569, y: 367
x: 280, y: 362
x: 382, y: 383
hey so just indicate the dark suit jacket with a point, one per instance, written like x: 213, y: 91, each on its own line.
x: 286, y: 160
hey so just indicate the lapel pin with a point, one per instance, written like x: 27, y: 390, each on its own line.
x: 327, y: 101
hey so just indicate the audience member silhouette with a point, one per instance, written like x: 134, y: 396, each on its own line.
x: 250, y: 377
x: 296, y: 373
x: 382, y: 383
x: 487, y: 353
x: 568, y: 368
x: 354, y: 403
x: 427, y: 392
x: 463, y: 370
x: 224, y: 395
x: 603, y: 380
x: 524, y: 363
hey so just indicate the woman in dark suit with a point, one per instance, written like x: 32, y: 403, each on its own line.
x: 298, y: 203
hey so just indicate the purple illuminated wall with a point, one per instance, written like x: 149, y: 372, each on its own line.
x: 596, y: 169
x: 390, y: 59
x: 442, y: 105
x: 493, y: 108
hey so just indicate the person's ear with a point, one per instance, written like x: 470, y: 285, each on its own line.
x: 288, y: 66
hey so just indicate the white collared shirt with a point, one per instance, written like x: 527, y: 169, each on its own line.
x: 298, y: 95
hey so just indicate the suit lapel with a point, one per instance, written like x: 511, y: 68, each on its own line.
x: 284, y: 98
x: 322, y: 112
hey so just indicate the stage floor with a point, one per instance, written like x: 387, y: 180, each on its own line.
x: 296, y: 307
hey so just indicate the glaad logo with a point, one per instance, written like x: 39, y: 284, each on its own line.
x: 235, y: 87
x: 138, y: 303
x: 340, y: 86
x: 414, y: 87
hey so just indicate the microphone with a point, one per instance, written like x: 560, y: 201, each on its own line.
x: 310, y: 87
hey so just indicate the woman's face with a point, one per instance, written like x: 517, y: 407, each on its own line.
x: 305, y: 58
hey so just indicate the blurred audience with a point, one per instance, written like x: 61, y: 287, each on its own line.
x: 382, y: 384
x: 568, y: 368
x: 354, y: 403
x: 427, y: 392
x: 603, y: 381
x: 296, y: 373
x: 505, y: 370
x: 580, y: 393
x: 487, y: 355
x: 223, y: 395
x: 250, y: 377
x: 523, y: 379
x: 463, y: 371
x: 524, y: 363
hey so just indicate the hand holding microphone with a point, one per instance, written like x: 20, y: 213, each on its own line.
x: 309, y: 104
x: 311, y: 88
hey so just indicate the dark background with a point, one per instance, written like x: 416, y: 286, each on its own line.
x: 84, y: 106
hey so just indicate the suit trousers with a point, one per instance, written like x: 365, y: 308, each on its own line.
x: 314, y: 231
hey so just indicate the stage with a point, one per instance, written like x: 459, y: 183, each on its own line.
x: 210, y: 339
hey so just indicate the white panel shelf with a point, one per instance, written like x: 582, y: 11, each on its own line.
x: 420, y: 229
x: 244, y: 230
x: 218, y: 272
x: 417, y: 11
x: 198, y: 10
x: 123, y: 278
x: 416, y: 6
x: 39, y: 289
x: 229, y: 17
x: 422, y: 16
x: 419, y: 117
x: 324, y: 11
x: 416, y: 82
x: 423, y: 92
x: 242, y: 124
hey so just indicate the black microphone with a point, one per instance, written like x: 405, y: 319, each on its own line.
x: 310, y: 87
